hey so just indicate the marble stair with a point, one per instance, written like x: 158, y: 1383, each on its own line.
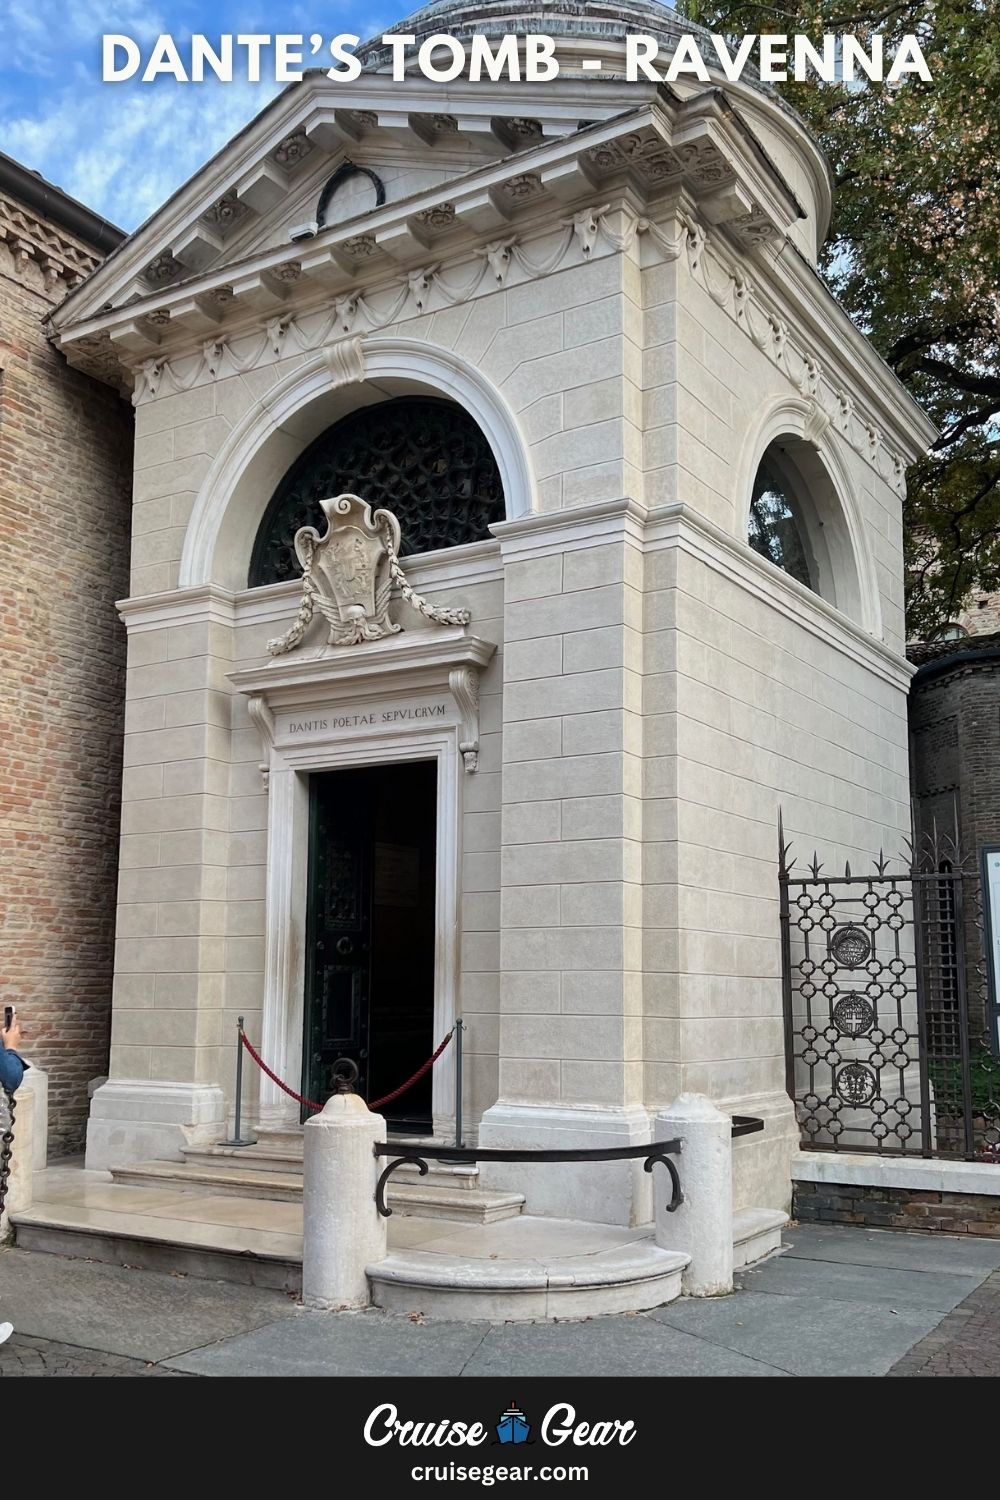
x: 756, y: 1234
x: 193, y: 1218
x: 272, y: 1170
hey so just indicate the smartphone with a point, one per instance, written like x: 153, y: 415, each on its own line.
x: 8, y: 1016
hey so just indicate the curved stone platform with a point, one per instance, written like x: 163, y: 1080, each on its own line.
x: 525, y: 1269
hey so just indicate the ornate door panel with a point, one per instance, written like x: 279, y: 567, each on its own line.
x: 338, y: 936
x: 370, y: 932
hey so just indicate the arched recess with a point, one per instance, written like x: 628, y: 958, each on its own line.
x: 257, y: 453
x: 799, y: 436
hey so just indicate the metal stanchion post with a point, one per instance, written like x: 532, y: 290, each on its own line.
x: 459, y: 1029
x: 237, y: 1139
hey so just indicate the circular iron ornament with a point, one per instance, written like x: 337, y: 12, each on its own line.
x: 850, y: 946
x: 856, y: 1084
x: 424, y: 459
x: 853, y: 1016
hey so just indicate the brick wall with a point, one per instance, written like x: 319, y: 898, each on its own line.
x: 896, y: 1208
x: 65, y: 464
x: 982, y: 617
x: 955, y: 733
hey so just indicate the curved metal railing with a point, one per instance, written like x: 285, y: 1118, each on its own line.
x: 650, y: 1154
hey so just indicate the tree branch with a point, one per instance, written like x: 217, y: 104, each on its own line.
x: 974, y: 385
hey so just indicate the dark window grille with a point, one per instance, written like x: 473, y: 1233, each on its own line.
x: 422, y: 458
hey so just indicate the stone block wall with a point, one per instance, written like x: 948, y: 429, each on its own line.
x: 65, y: 478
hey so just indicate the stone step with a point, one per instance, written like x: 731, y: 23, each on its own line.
x: 224, y: 1159
x: 521, y: 1270
x: 211, y: 1251
x: 466, y: 1205
x: 544, y: 1268
x: 243, y: 1159
x: 229, y: 1182
x: 756, y: 1233
x: 408, y: 1193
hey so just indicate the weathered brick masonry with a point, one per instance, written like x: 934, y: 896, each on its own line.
x: 896, y: 1208
x: 955, y: 737
x: 65, y: 464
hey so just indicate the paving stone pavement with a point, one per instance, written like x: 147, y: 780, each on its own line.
x: 966, y: 1342
x: 838, y: 1301
x: 23, y: 1355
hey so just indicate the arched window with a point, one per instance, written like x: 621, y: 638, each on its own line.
x: 953, y: 631
x: 423, y: 458
x: 801, y: 513
x: 777, y: 529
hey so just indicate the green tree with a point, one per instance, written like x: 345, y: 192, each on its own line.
x: 914, y: 254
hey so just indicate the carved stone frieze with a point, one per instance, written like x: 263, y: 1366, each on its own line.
x: 524, y: 186
x: 225, y: 214
x: 441, y: 216
x: 163, y: 270
x: 587, y: 233
x: 293, y: 149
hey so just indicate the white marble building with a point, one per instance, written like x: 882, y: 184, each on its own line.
x: 572, y: 334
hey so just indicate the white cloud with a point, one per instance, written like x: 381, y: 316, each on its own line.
x: 149, y: 142
x: 37, y: 33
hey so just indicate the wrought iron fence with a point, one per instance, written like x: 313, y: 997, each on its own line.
x: 888, y: 1041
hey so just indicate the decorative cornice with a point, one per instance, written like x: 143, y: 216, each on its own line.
x: 451, y: 567
x: 571, y: 530
x: 732, y: 288
x: 591, y: 233
x: 409, y: 664
x: 170, y: 283
x: 208, y: 604
x: 680, y: 526
x: 586, y: 235
x: 62, y: 262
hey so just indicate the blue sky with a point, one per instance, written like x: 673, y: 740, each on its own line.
x: 123, y: 148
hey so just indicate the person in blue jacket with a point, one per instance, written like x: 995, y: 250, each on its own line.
x: 12, y: 1065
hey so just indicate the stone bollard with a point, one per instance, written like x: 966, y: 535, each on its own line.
x: 36, y: 1082
x: 20, y: 1184
x: 703, y: 1225
x: 343, y: 1231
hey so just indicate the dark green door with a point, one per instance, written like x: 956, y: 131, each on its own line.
x: 370, y: 933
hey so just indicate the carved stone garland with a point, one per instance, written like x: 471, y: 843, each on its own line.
x: 348, y: 575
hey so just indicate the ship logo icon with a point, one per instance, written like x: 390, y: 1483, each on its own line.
x: 513, y: 1427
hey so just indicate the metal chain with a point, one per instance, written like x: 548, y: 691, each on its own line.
x: 6, y: 1148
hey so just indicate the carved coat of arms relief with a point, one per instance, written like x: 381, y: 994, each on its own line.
x: 348, y: 575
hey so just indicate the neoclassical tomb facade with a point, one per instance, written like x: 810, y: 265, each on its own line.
x: 517, y: 754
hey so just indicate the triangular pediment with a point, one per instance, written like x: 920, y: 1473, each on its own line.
x: 335, y: 188
x: 269, y: 180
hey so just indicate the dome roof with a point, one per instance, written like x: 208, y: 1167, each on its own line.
x: 588, y: 29
x: 573, y: 20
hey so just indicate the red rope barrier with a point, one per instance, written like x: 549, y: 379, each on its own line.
x: 376, y: 1104
x: 262, y: 1065
x: 388, y: 1098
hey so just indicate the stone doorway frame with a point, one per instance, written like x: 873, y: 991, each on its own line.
x: 445, y: 666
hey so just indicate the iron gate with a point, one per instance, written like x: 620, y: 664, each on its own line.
x: 888, y: 1036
